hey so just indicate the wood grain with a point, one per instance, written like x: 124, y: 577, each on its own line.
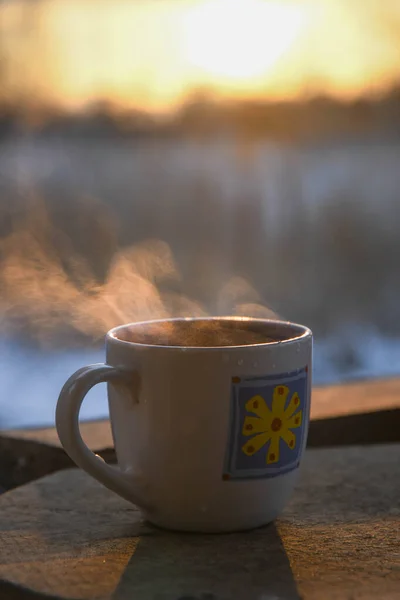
x: 67, y: 536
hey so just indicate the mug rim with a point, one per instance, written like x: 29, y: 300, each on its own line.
x: 304, y: 333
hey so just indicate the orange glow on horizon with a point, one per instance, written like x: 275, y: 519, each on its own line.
x: 152, y: 54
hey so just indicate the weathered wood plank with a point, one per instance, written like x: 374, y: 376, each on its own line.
x: 378, y: 427
x: 23, y: 460
x: 28, y: 454
x: 97, y: 434
x: 355, y: 398
x: 327, y: 401
x: 68, y: 536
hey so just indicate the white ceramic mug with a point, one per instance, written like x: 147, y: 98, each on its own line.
x: 208, y: 437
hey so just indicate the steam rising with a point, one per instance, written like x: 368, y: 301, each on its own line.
x: 63, y: 289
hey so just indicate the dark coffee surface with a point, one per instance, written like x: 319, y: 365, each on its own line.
x: 207, y: 333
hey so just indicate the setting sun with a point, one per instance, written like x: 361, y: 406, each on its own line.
x: 154, y: 54
x: 239, y: 39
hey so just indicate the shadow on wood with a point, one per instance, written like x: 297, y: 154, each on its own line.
x: 380, y: 427
x: 68, y: 536
x: 12, y: 591
x: 198, y: 567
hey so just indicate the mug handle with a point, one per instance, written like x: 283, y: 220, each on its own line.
x: 67, y: 424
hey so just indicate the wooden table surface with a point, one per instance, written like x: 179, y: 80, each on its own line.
x: 64, y: 536
x: 68, y: 536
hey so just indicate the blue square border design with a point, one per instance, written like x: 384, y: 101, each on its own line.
x: 236, y: 464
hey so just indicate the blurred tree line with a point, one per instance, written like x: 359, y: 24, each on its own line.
x: 203, y: 116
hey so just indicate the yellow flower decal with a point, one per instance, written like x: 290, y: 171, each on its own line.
x: 272, y: 425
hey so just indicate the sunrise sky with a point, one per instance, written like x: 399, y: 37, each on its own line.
x: 152, y: 53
